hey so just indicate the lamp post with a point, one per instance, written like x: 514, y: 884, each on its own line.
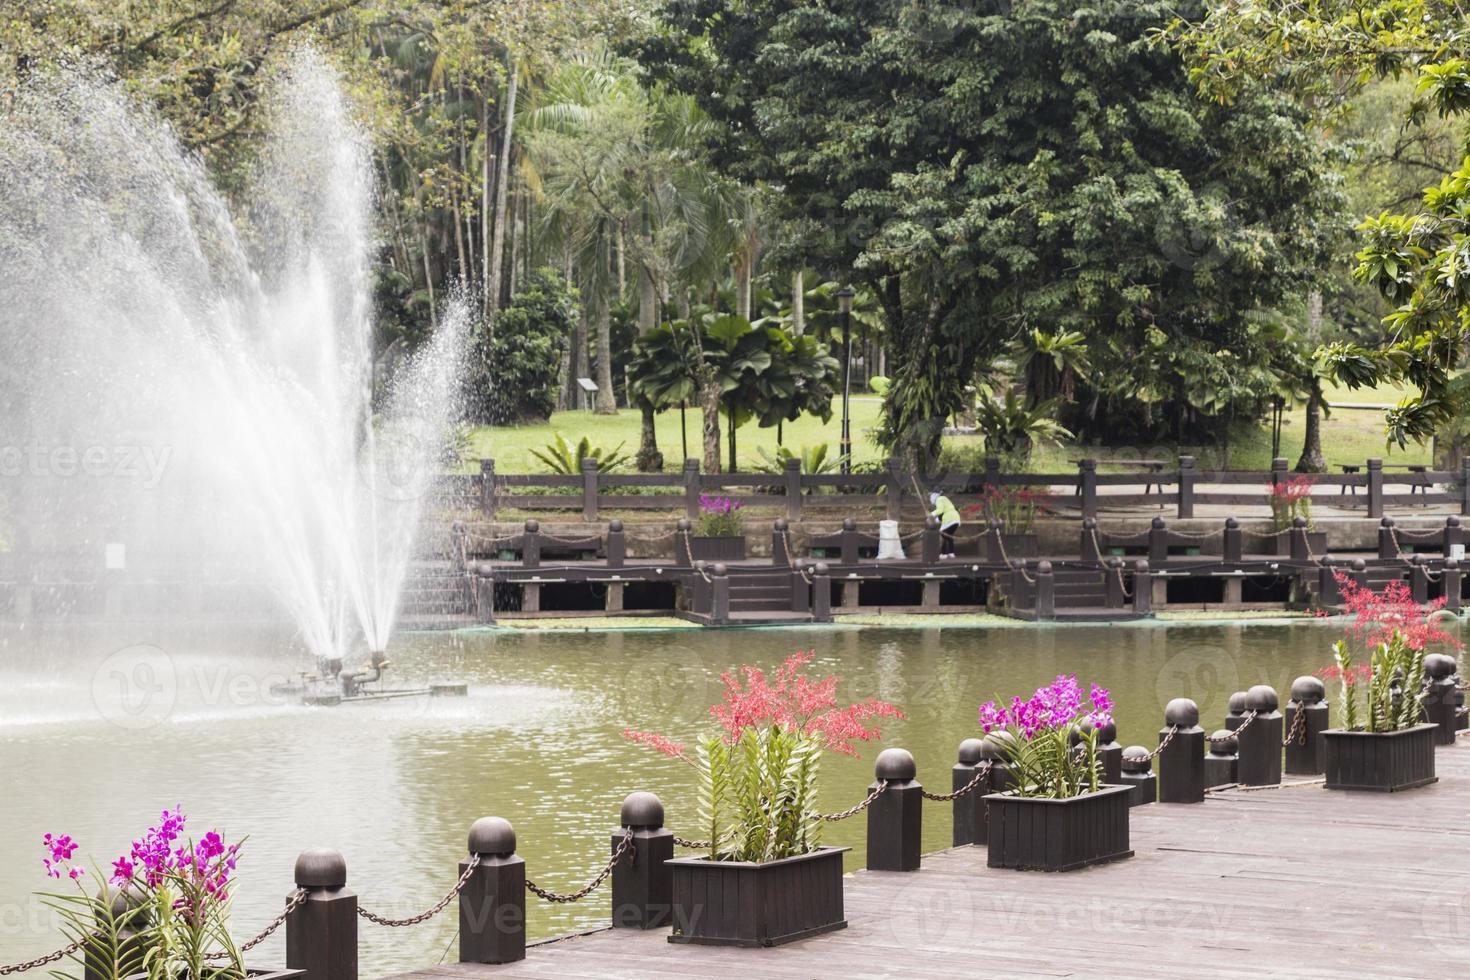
x: 844, y: 304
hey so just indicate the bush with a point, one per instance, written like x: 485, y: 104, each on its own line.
x: 517, y: 378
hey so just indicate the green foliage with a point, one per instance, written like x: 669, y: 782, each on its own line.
x: 757, y: 796
x: 1011, y: 428
x: 814, y: 460
x: 1395, y: 691
x: 560, y: 456
x: 514, y: 377
x: 102, y: 922
x: 1052, y: 766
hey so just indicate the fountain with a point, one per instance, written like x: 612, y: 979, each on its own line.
x: 190, y: 383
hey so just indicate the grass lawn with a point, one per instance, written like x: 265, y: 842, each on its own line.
x: 1348, y: 436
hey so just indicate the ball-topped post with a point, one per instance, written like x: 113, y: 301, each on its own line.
x: 1307, y: 717
x: 642, y: 884
x: 895, y: 817
x: 1138, y: 771
x: 1259, y: 741
x: 321, y: 931
x: 1181, y: 755
x: 1440, y: 706
x: 969, y: 809
x: 616, y: 548
x: 492, y: 904
x: 1222, y: 759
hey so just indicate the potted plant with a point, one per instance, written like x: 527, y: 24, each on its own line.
x: 1289, y: 500
x: 1058, y: 814
x: 163, y: 913
x: 720, y: 534
x: 765, y: 877
x: 1014, y: 510
x: 1386, y: 742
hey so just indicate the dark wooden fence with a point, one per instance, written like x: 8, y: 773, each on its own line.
x: 1080, y: 494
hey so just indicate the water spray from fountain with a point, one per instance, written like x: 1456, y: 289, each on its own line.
x: 139, y: 309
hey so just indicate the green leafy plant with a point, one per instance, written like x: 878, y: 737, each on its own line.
x: 758, y: 777
x: 719, y: 517
x: 561, y: 457
x: 814, y: 459
x: 514, y: 371
x: 1394, y: 696
x: 1011, y: 428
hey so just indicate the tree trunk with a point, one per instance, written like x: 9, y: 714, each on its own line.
x: 489, y: 154
x: 798, y: 303
x: 709, y: 405
x: 502, y: 186
x: 1311, y: 460
x: 518, y: 231
x: 607, y: 403
x: 650, y: 460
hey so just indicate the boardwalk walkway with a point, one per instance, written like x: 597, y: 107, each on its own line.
x: 1295, y: 882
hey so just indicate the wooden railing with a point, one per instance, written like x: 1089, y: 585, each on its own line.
x: 1083, y: 493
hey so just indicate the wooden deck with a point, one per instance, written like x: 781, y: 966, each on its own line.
x: 1295, y: 882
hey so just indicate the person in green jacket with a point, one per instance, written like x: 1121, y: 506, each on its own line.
x: 949, y: 522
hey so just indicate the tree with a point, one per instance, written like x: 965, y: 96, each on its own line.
x: 990, y: 169
x: 1330, y: 51
x: 515, y: 369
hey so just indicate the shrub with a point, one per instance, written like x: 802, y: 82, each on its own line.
x: 515, y: 378
x: 719, y: 517
x: 561, y: 457
x: 1050, y: 741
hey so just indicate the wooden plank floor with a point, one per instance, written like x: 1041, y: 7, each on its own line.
x: 1295, y: 882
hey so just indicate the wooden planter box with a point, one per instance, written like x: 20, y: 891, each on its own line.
x: 251, y: 973
x: 1382, y: 763
x: 1030, y: 833
x: 1280, y: 545
x: 743, y: 903
x: 729, y: 548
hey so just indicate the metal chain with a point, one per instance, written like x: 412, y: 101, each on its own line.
x: 786, y: 542
x: 567, y: 541
x: 592, y: 885
x: 1195, y: 536
x: 980, y: 774
x: 60, y: 954
x: 1263, y: 537
x: 1250, y: 717
x: 297, y: 898
x: 1298, y: 731
x: 853, y: 811
x: 428, y: 914
x: 1122, y: 583
x: 651, y: 540
x: 1173, y: 730
x: 700, y: 845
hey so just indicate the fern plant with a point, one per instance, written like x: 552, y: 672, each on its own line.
x: 561, y: 457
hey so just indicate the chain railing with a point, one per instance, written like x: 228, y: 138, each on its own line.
x: 1298, y: 732
x: 433, y: 910
x: 297, y: 897
x: 49, y: 958
x: 592, y: 885
x: 1164, y: 744
x: 980, y: 774
x: 702, y: 845
x: 1249, y: 717
x: 854, y: 810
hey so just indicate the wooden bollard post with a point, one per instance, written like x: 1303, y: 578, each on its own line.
x: 780, y: 536
x: 1375, y: 487
x: 691, y: 489
x: 1046, y: 591
x: 1220, y: 763
x: 720, y: 593
x: 492, y: 905
x: 1301, y: 550
x: 1259, y: 743
x: 895, y: 817
x: 487, y: 488
x: 120, y: 912
x: 849, y: 541
x: 642, y: 885
x: 1187, y: 474
x: 1328, y: 592
x: 1452, y: 580
x: 1138, y: 772
x: 1087, y: 547
x: 1181, y: 754
x: 1439, y: 698
x: 617, y: 544
x: 457, y: 537
x: 531, y: 545
x: 1359, y: 573
x: 591, y: 468
x: 793, y: 489
x: 1233, y: 545
x: 1113, y: 583
x: 321, y: 932
x: 1387, y: 545
x: 930, y: 548
x: 1306, y: 719
x: 1453, y: 534
x: 683, y: 546
x: 821, y: 593
x: 969, y: 810
x: 801, y: 589
x: 1418, y: 579
x: 485, y: 592
x: 1087, y: 486
x: 1235, y: 711
x: 1158, y: 540
x: 1110, y: 753
x: 1143, y: 588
